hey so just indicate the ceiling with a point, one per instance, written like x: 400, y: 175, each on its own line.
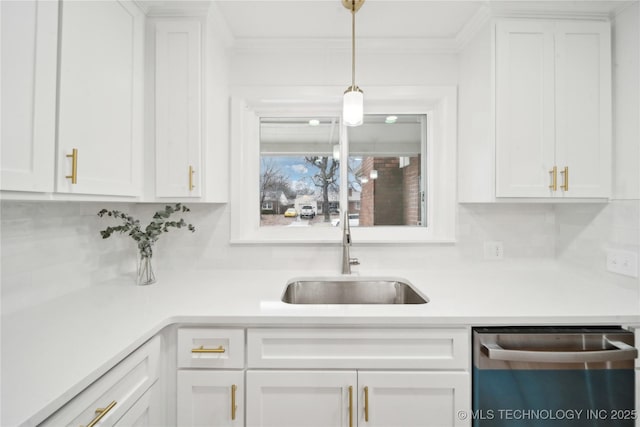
x: 377, y: 19
x: 329, y: 19
x: 322, y: 19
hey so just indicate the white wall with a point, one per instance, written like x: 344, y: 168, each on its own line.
x: 626, y: 103
x: 476, y: 148
x: 316, y: 66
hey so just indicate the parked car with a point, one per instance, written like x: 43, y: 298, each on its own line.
x: 307, y: 211
x: 291, y: 212
x: 354, y: 221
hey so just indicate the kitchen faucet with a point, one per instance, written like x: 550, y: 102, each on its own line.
x: 347, y: 261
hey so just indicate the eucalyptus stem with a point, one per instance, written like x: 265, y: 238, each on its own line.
x: 146, y: 238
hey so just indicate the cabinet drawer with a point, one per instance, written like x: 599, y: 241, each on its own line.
x: 210, y: 348
x: 124, y: 384
x: 358, y: 348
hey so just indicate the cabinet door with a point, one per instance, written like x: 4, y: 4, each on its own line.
x: 524, y: 79
x: 300, y: 398
x: 100, y: 97
x: 583, y: 108
x: 146, y: 412
x: 638, y: 397
x: 117, y: 392
x: 29, y: 64
x: 413, y: 399
x: 210, y: 398
x: 178, y: 102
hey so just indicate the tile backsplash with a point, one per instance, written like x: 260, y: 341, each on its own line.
x: 585, y: 231
x: 50, y: 249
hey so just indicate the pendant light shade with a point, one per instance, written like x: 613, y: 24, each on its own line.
x: 353, y: 100
x: 353, y: 107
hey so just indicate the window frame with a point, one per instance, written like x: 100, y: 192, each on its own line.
x: 439, y: 103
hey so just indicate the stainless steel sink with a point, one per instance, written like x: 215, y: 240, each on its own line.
x: 351, y: 290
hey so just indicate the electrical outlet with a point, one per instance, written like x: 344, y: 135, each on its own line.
x: 493, y: 250
x: 622, y: 262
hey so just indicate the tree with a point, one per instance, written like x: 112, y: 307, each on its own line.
x: 327, y: 178
x: 272, y: 179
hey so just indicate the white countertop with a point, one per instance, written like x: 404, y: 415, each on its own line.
x: 53, y: 351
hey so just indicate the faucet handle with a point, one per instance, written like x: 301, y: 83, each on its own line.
x: 354, y: 261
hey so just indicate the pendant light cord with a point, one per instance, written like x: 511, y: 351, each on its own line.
x: 353, y: 44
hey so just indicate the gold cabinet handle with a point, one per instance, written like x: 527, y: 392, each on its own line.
x: 191, y: 172
x: 350, y: 406
x: 101, y: 412
x: 554, y: 179
x: 201, y: 349
x: 234, y: 388
x: 565, y: 172
x: 366, y: 404
x: 74, y: 166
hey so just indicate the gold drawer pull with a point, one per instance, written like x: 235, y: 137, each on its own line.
x: 350, y: 406
x: 201, y: 349
x: 234, y: 388
x: 101, y: 412
x: 554, y: 179
x: 74, y: 166
x: 191, y: 172
x: 366, y: 404
x: 565, y: 172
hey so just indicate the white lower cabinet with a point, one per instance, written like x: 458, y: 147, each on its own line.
x: 346, y: 377
x: 636, y: 329
x: 637, y: 397
x: 210, y: 382
x: 124, y: 396
x: 300, y: 398
x: 323, y: 377
x: 210, y: 398
x: 411, y: 399
x: 355, y: 398
x: 146, y: 412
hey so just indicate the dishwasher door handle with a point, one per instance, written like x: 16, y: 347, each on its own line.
x: 623, y: 352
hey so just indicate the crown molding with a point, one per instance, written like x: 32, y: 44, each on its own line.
x: 586, y: 10
x: 473, y: 26
x: 385, y: 45
x: 175, y: 8
x: 623, y: 8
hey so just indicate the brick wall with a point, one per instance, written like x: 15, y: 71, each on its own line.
x: 367, y: 196
x: 394, y: 197
x: 411, y: 191
x: 388, y: 192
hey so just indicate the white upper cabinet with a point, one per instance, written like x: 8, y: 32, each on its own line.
x: 583, y: 108
x: 178, y: 108
x: 100, y: 98
x: 553, y: 109
x: 29, y: 62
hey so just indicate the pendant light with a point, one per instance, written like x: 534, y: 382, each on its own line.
x: 353, y: 100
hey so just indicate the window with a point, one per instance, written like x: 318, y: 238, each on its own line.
x: 300, y: 167
x: 398, y: 179
x: 386, y: 170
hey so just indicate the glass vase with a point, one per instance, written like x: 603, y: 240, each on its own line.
x: 146, y: 275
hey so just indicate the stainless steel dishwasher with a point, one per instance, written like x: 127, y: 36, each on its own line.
x: 548, y: 377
